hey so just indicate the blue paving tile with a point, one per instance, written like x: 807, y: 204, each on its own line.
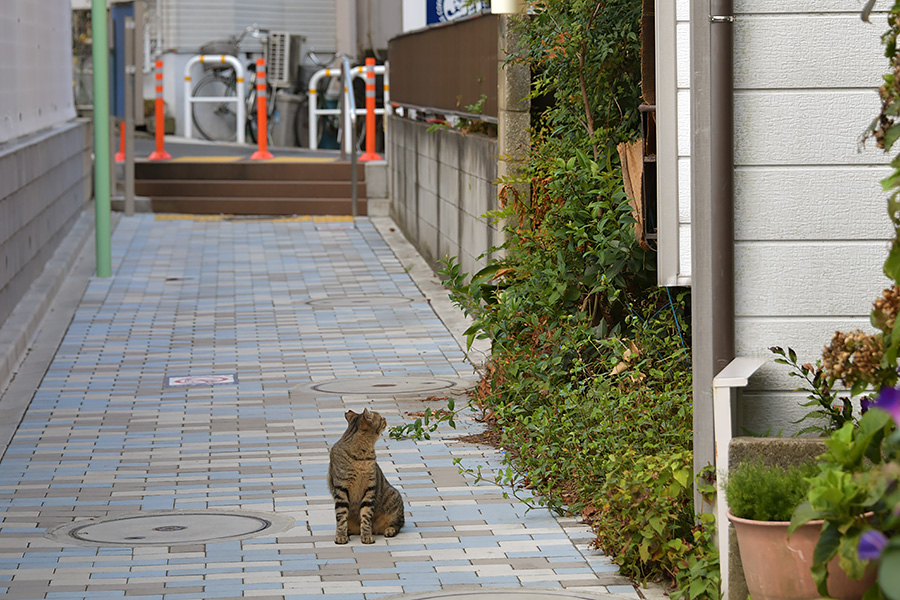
x: 224, y: 593
x: 621, y: 589
x: 236, y: 310
x: 92, y: 594
x: 290, y: 596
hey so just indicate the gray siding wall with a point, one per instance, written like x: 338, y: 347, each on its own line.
x: 442, y: 182
x: 191, y: 23
x: 36, y: 71
x: 44, y: 186
x: 811, y: 228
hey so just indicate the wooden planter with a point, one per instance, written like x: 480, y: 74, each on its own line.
x: 778, y: 568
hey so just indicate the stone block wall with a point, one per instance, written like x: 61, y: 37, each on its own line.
x: 442, y: 183
x: 45, y: 183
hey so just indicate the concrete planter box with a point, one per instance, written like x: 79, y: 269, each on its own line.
x: 773, y: 451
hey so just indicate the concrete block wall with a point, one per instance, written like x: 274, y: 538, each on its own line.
x: 45, y: 183
x: 442, y: 183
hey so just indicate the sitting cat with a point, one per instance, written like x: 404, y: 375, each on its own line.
x: 364, y: 502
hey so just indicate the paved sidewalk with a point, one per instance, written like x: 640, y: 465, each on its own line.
x: 294, y: 322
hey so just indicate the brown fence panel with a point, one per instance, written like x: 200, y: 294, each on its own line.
x: 446, y: 68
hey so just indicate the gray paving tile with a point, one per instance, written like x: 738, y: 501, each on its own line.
x: 104, y: 437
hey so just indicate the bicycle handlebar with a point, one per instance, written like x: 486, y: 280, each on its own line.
x: 255, y: 32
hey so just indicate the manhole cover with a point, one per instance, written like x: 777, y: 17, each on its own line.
x: 390, y: 386
x: 357, y: 301
x: 170, y: 528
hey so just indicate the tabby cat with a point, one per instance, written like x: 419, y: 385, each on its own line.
x: 364, y: 502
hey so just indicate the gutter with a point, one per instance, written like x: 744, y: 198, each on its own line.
x: 721, y: 167
x: 712, y: 215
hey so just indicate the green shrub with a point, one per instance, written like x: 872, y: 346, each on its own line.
x: 765, y: 492
x: 589, y: 383
x: 603, y: 427
x: 645, y: 510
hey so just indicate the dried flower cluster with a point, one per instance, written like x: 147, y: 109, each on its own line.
x: 886, y: 308
x: 890, y: 88
x: 853, y: 357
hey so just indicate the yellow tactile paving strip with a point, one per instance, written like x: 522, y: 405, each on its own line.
x: 300, y: 159
x: 209, y: 159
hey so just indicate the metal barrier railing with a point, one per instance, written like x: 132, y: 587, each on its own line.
x: 239, y: 97
x: 349, y: 122
x: 315, y: 112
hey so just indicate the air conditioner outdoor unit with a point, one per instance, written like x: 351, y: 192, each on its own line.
x: 283, y: 58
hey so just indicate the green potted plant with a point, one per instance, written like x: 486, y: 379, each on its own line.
x: 856, y: 494
x: 777, y: 563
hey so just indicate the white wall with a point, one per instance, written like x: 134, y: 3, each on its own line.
x: 36, y: 70
x: 683, y: 85
x: 673, y: 115
x: 414, y: 15
x: 811, y: 228
x: 377, y: 21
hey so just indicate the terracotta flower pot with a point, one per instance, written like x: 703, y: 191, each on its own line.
x: 778, y: 568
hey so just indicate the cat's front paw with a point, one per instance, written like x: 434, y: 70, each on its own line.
x: 390, y: 532
x: 367, y: 539
x: 341, y: 539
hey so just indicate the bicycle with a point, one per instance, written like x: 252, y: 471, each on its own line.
x: 218, y: 121
x: 328, y: 95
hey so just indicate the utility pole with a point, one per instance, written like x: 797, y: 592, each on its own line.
x: 100, y: 56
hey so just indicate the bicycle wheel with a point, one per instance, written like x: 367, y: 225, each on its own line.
x: 251, y: 113
x: 215, y: 121
x: 301, y: 124
x: 328, y: 127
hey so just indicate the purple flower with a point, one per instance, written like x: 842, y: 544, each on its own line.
x: 864, y: 405
x: 889, y: 400
x: 871, y: 544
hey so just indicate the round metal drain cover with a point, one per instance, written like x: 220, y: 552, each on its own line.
x: 170, y: 528
x: 390, y: 385
x: 358, y: 301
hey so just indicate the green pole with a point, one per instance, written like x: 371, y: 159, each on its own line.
x: 100, y: 55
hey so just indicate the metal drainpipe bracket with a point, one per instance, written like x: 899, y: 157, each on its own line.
x: 721, y: 19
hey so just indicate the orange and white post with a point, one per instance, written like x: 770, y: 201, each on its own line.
x: 262, y: 116
x: 370, y: 153
x: 120, y: 155
x: 160, y: 152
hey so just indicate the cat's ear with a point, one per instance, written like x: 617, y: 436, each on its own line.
x: 366, y: 414
x: 349, y: 415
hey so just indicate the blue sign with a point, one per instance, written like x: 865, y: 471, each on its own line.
x: 441, y: 11
x: 118, y: 12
